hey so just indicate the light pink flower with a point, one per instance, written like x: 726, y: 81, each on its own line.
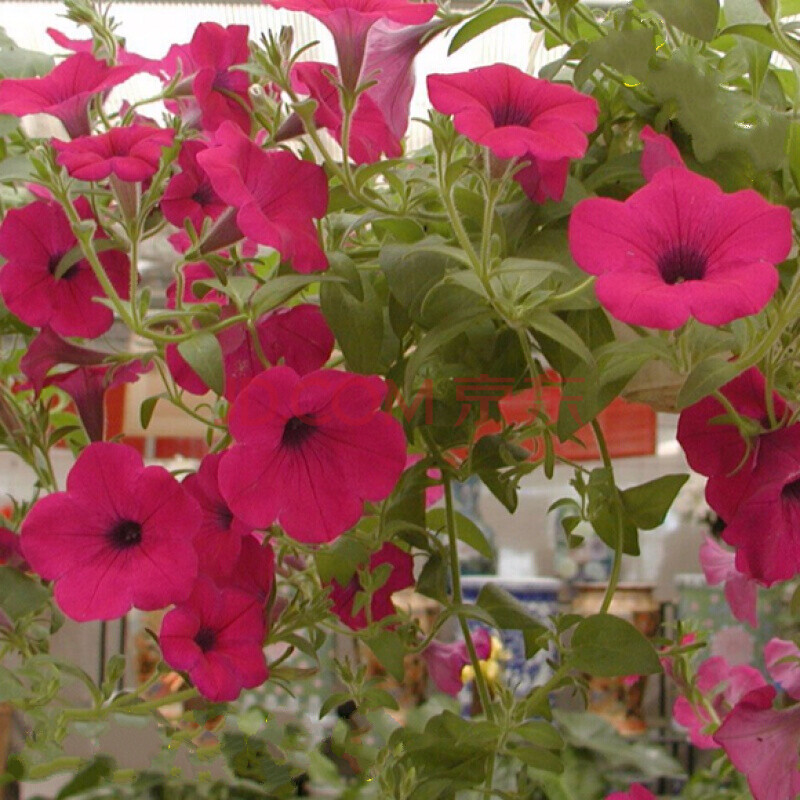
x: 189, y: 194
x: 518, y: 116
x: 381, y: 606
x: 680, y: 248
x: 310, y: 450
x: 275, y: 198
x: 217, y: 637
x: 119, y: 536
x: 64, y: 93
x: 131, y: 153
x: 782, y: 659
x: 762, y: 743
x: 659, y: 152
x: 719, y: 566
x: 446, y: 662
x: 33, y: 240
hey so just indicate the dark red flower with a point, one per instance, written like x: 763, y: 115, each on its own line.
x: 189, y: 194
x: 401, y: 576
x: 33, y: 240
x: 65, y: 92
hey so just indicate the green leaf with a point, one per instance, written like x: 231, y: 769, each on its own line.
x: 204, y: 355
x: 19, y: 594
x: 647, y: 505
x: 706, y: 378
x: 389, y: 649
x: 466, y: 530
x: 698, y: 18
x: 508, y: 612
x: 540, y: 733
x: 483, y: 22
x: 21, y: 63
x: 537, y: 757
x: 147, y: 408
x: 96, y: 771
x: 610, y: 647
x: 277, y: 291
x: 559, y: 331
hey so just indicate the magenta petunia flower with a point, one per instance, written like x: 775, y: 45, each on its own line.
x: 33, y: 240
x: 275, y: 197
x: 119, y: 536
x: 782, y: 659
x: 310, y: 450
x: 216, y: 636
x: 193, y: 272
x: 218, y: 91
x: 681, y: 248
x: 64, y: 93
x: 446, y: 662
x: 124, y: 57
x: 741, y: 592
x: 659, y: 153
x: 350, y: 22
x: 722, y: 686
x: 400, y: 577
x: 254, y: 571
x: 86, y: 384
x: 131, y: 153
x: 635, y: 792
x: 189, y: 194
x: 219, y: 539
x: 370, y: 136
x: 518, y: 116
x: 762, y: 744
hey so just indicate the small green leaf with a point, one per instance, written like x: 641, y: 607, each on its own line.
x: 466, y: 530
x: 277, y: 291
x: 559, y: 331
x: 204, y: 355
x: 147, y: 408
x: 647, y: 505
x: 506, y: 610
x: 705, y: 378
x: 390, y: 651
x: 97, y: 770
x: 483, y: 22
x: 19, y: 594
x: 610, y: 647
x: 698, y: 18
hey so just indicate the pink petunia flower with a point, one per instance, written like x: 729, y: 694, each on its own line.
x: 636, y: 792
x: 64, y: 93
x: 33, y: 240
x: 216, y: 636
x: 446, y: 662
x: 350, y: 22
x: 214, y: 91
x: 400, y: 577
x: 275, y: 198
x: 718, y: 450
x: 719, y: 566
x: 254, y: 571
x: 131, y: 153
x: 515, y: 115
x: 782, y: 659
x: 722, y: 687
x: 370, y: 136
x: 762, y: 743
x: 219, y: 538
x: 659, y: 153
x: 310, y: 450
x: 681, y: 248
x: 193, y: 272
x: 123, y: 56
x: 189, y: 194
x: 119, y: 536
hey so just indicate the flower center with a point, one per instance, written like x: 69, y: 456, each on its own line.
x: 126, y: 533
x: 511, y: 115
x: 224, y: 516
x: 791, y: 492
x: 54, y: 261
x: 682, y: 263
x: 295, y: 432
x: 205, y: 638
x: 203, y: 194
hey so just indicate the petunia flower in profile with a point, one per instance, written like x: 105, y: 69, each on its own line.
x: 517, y: 116
x: 310, y: 450
x: 762, y: 744
x: 446, y: 661
x: 219, y: 538
x: 253, y: 572
x: 722, y: 687
x: 350, y: 22
x: 400, y: 576
x: 680, y: 248
x: 275, y: 198
x: 212, y: 90
x: 659, y: 153
x: 370, y: 136
x: 782, y: 659
x: 635, y: 792
x: 217, y: 637
x: 741, y: 592
x: 34, y: 240
x: 119, y: 536
x: 64, y: 93
x: 131, y: 153
x: 189, y: 194
x: 123, y: 57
